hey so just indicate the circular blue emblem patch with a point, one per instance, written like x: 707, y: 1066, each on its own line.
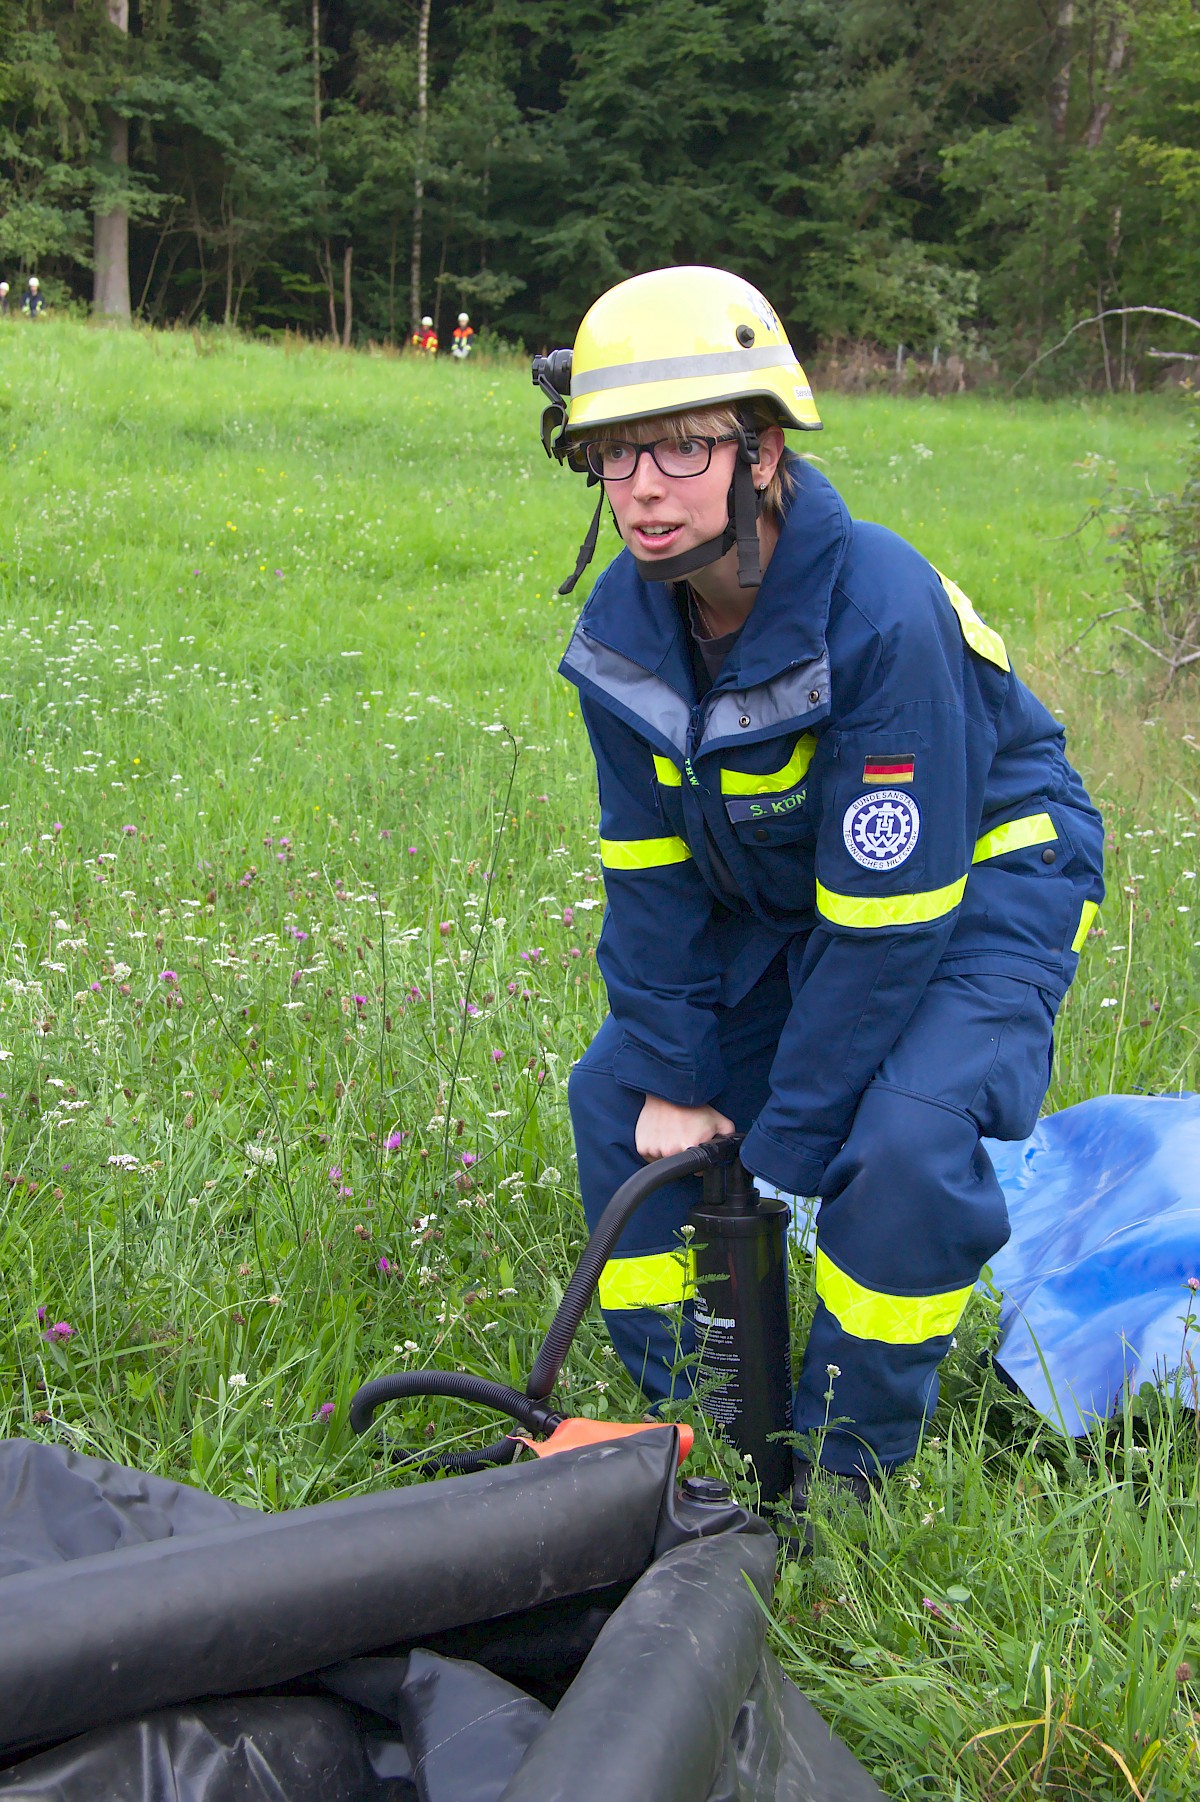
x: 880, y: 829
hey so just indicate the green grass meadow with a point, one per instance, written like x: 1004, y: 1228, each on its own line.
x: 300, y: 896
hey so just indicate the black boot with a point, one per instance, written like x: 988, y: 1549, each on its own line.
x: 794, y: 1527
x: 850, y: 1485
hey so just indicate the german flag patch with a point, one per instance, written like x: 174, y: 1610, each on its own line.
x: 889, y: 769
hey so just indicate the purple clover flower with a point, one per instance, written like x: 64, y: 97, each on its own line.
x: 59, y: 1333
x: 395, y: 1140
x: 324, y: 1412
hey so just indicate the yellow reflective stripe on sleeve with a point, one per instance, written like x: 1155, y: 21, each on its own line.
x: 659, y: 1280
x: 1015, y: 835
x: 667, y: 773
x: 890, y: 910
x: 773, y: 782
x: 1090, y: 910
x: 641, y: 853
x: 890, y: 1319
x: 981, y: 638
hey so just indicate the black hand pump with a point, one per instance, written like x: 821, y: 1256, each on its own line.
x: 737, y: 1245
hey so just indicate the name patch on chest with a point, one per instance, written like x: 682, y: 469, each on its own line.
x: 767, y: 807
x: 881, y: 829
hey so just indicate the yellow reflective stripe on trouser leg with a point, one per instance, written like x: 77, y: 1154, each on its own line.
x: 1015, y: 835
x: 1088, y: 914
x: 660, y: 1279
x: 890, y: 910
x: 667, y: 773
x: 772, y: 782
x: 641, y: 853
x: 891, y: 1319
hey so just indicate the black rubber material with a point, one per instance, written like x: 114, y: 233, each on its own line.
x: 262, y: 1599
x: 582, y: 1286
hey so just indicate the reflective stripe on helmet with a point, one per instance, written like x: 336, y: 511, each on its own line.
x: 674, y: 369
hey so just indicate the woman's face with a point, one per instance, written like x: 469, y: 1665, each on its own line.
x: 662, y: 516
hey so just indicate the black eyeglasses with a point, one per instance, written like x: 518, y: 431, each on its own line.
x: 616, y: 459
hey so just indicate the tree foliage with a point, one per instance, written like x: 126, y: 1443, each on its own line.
x: 917, y: 171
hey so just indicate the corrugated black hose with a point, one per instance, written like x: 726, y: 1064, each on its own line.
x: 530, y: 1410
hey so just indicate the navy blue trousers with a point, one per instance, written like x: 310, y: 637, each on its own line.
x: 910, y: 1209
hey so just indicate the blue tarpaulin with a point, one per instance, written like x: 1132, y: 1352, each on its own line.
x: 1104, y: 1200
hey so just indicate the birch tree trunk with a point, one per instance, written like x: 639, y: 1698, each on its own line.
x: 110, y: 230
x: 1060, y: 81
x: 414, y: 285
x: 347, y: 302
x: 1118, y: 46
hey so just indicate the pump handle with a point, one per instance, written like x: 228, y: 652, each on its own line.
x: 611, y: 1224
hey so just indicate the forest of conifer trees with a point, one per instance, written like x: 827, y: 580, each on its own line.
x: 917, y: 172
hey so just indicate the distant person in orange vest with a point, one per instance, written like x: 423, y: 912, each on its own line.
x: 33, y: 303
x: 464, y: 335
x: 425, y: 338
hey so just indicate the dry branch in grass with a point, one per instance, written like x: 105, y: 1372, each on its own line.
x: 1095, y: 319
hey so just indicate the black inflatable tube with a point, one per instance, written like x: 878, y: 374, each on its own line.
x: 651, y: 1711
x: 255, y: 1604
x: 582, y: 1286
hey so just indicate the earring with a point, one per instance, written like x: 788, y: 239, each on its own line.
x: 761, y: 489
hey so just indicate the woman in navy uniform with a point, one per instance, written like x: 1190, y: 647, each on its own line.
x: 848, y: 867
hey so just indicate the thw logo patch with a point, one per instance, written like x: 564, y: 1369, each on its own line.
x: 881, y: 829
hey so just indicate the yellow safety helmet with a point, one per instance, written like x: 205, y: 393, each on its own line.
x: 676, y: 340
x: 679, y: 339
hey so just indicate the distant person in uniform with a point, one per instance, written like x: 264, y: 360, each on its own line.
x: 425, y: 338
x: 33, y: 303
x: 464, y: 335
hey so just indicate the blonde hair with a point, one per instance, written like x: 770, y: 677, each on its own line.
x: 713, y: 422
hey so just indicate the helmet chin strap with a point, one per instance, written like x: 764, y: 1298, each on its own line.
x: 743, y: 505
x: 587, y: 549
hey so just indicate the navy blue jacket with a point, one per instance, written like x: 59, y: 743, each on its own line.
x: 867, y: 784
